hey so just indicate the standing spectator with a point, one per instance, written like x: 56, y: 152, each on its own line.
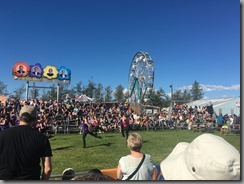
x: 128, y: 164
x: 21, y: 149
x: 207, y: 157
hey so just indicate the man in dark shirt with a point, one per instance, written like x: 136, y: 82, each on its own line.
x: 22, y: 148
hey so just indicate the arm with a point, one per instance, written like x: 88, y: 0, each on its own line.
x: 119, y: 175
x: 88, y: 125
x: 155, y: 174
x: 47, y: 168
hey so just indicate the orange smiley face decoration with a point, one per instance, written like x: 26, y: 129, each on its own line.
x: 21, y: 69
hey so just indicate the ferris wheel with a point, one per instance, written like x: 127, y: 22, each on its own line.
x: 141, y: 77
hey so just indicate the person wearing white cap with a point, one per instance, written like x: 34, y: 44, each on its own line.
x: 207, y: 157
x: 68, y: 174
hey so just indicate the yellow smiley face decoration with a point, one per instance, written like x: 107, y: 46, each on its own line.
x: 50, y: 72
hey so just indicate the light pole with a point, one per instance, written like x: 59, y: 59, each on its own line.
x: 171, y: 87
x: 171, y: 95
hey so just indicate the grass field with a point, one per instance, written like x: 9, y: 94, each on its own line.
x: 105, y: 153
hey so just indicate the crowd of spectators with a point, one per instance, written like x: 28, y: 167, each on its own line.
x: 109, y: 116
x: 53, y: 115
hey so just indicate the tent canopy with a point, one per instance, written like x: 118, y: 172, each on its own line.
x: 84, y: 98
x: 223, y: 105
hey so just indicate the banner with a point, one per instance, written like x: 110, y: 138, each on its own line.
x: 49, y: 73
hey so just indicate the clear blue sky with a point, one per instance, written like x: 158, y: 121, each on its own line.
x: 188, y: 40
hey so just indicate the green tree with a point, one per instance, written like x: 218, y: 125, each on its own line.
x: 89, y: 90
x: 196, y: 91
x: 98, y: 93
x: 72, y: 92
x: 126, y: 94
x: 78, y: 88
x: 108, y: 94
x: 63, y: 91
x: 181, y: 97
x: 34, y: 92
x: 159, y: 98
x: 45, y: 95
x: 17, y: 93
x: 177, y: 96
x: 119, y: 94
x: 3, y: 88
x: 186, y: 96
x: 52, y: 93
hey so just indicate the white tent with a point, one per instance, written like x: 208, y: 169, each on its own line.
x: 223, y: 105
x: 84, y: 98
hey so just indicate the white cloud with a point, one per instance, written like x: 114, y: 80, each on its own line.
x: 208, y: 88
x: 215, y: 90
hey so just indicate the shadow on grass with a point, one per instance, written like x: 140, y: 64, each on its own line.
x: 146, y: 141
x: 62, y: 148
x: 53, y: 138
x: 105, y: 144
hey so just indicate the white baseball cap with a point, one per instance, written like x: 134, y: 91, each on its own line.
x: 207, y: 157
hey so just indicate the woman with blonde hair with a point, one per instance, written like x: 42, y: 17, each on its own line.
x: 136, y: 165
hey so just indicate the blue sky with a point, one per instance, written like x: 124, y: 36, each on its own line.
x: 188, y: 40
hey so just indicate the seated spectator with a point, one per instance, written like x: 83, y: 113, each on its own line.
x: 68, y: 174
x: 95, y: 171
x: 128, y: 164
x: 93, y: 176
x: 157, y: 173
x: 207, y: 157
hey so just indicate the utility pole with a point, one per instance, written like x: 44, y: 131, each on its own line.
x: 171, y: 95
x: 27, y: 90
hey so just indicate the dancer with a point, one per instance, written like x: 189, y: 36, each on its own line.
x: 122, y: 124
x: 96, y: 125
x: 87, y: 129
x: 129, y: 122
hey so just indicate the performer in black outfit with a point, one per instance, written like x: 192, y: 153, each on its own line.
x: 87, y: 129
x: 128, y: 126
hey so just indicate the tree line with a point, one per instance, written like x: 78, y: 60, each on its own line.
x: 100, y: 94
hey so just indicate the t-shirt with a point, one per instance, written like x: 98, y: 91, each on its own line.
x: 85, y: 127
x: 129, y: 165
x: 21, y: 148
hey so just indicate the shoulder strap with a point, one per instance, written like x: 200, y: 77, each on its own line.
x: 138, y: 167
